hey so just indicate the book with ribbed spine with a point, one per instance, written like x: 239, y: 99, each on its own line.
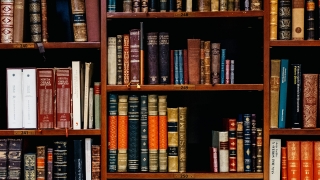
x: 232, y: 126
x: 134, y: 41
x: 173, y: 139
x: 60, y: 163
x: 144, y: 149
x: 14, y: 158
x: 35, y: 20
x: 231, y: 71
x: 49, y: 164
x: 274, y: 92
x: 133, y: 133
x: 78, y: 10
x: 223, y: 151
x: 222, y: 67
x: 259, y: 163
x: 163, y: 133
x: 136, y: 5
x: 96, y: 162
x: 112, y: 133
x: 240, y: 152
x: 122, y: 133
x: 310, y: 100
x: 306, y: 160
x: 227, y: 71
x: 119, y: 51
x: 41, y: 162
x: 275, y: 159
x: 254, y: 142
x: 30, y: 166
x: 18, y: 20
x: 283, y: 93
x: 44, y: 21
x: 215, y: 63
x: 204, y: 5
x: 153, y: 132
x: 164, y: 59
x: 182, y: 132
x: 284, y: 28
x: 126, y: 59
x: 144, y: 6
x: 201, y: 61
x: 207, y: 62
x: 7, y: 20
x: 294, y: 163
x: 273, y: 19
x: 296, y: 83
x: 247, y: 142
x: 153, y: 62
x: 127, y: 5
x: 3, y: 158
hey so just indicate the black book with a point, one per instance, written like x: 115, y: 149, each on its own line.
x: 296, y: 82
x: 284, y: 19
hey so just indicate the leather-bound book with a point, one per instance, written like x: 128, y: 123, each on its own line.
x: 49, y: 163
x: 112, y: 60
x: 293, y: 152
x: 46, y: 97
x: 136, y: 5
x: 255, y: 5
x: 134, y: 56
x: 78, y: 159
x: 240, y: 153
x: 119, y: 51
x: 96, y: 162
x: 179, y: 5
x: 296, y: 82
x: 223, y: 5
x: 204, y: 5
x: 14, y: 158
x: 112, y: 133
x: 227, y: 71
x: 194, y: 61
x: 153, y: 66
x: 30, y: 166
x: 223, y: 151
x: 144, y: 155
x: 236, y: 5
x: 35, y: 20
x: 207, y: 63
x: 182, y: 132
x: 93, y: 20
x: 163, y: 6
x: 247, y: 141
x: 153, y: 6
x: 284, y: 170
x: 201, y: 62
x: 3, y: 158
x: 60, y: 163
x: 316, y: 160
x: 173, y: 139
x: 164, y: 57
x: 133, y: 133
x: 180, y: 67
x: 284, y: 28
x: 144, y: 6
x: 259, y: 163
x: 18, y: 21
x: 185, y: 67
x: 273, y: 19
x: 122, y: 135
x: 171, y: 66
x: 172, y: 5
x: 153, y: 133
x: 126, y: 59
x: 306, y: 159
x: 215, y: 146
x: 310, y: 100
x: 7, y: 18
x: 63, y: 98
x: 127, y: 5
x: 78, y: 10
x: 274, y: 92
x: 232, y: 145
x: 41, y: 162
x: 215, y: 63
x: 254, y: 142
x: 44, y: 21
x: 163, y: 133
x: 230, y: 5
x: 310, y: 7
x: 298, y: 19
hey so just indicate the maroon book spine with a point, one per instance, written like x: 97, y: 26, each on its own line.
x: 134, y: 56
x: 63, y: 98
x: 153, y: 65
x: 185, y: 67
x: 45, y: 93
x: 232, y: 145
x: 93, y: 20
x: 171, y: 66
x: 126, y: 59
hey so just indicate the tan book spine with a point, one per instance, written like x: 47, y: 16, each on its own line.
x: 136, y: 5
x: 189, y: 6
x: 79, y: 20
x: 207, y: 63
x: 306, y: 159
x: 273, y: 19
x: 240, y: 153
x: 44, y: 21
x: 274, y: 92
x: 179, y: 5
x: 201, y: 62
x: 223, y: 5
x: 194, y: 61
x: 182, y: 132
x: 126, y: 59
x: 123, y: 133
x: 310, y: 100
x: 298, y: 19
x: 215, y: 4
x: 223, y: 151
x: 163, y: 133
x: 7, y: 20
x: 316, y: 160
x: 204, y: 5
x: 18, y: 21
x: 293, y: 150
x: 173, y: 137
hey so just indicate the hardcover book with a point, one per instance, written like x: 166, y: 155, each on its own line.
x: 15, y: 158
x: 284, y: 163
x: 79, y: 20
x: 204, y: 5
x: 127, y: 5
x: 296, y: 80
x: 207, y: 63
x: 283, y: 93
x: 247, y: 141
x: 44, y: 21
x: 180, y: 67
x: 274, y: 92
x: 78, y: 159
x: 240, y: 152
x: 316, y: 160
x: 96, y: 162
x: 97, y: 105
x: 126, y: 59
x: 35, y: 20
x: 134, y: 56
x: 185, y: 67
x: 153, y: 133
x: 93, y: 20
x: 153, y: 66
x: 60, y: 163
x: 223, y: 66
x: 18, y: 21
x: 144, y: 149
x: 29, y: 98
x: 306, y: 159
x: 275, y: 158
x: 173, y: 139
x: 182, y: 132
x: 136, y: 5
x: 119, y: 51
x: 49, y: 164
x: 254, y: 142
x: 223, y: 152
x: 284, y: 29
x: 194, y: 60
x: 273, y: 19
x: 133, y: 133
x: 122, y: 134
x: 3, y: 158
x: 293, y: 152
x: 201, y: 62
x: 30, y: 166
x: 298, y: 19
x: 7, y: 21
x: 112, y: 61
x: 41, y: 162
x: 112, y: 133
x: 87, y: 158
x: 232, y: 145
x: 310, y: 100
x: 144, y: 6
x: 164, y: 57
x: 259, y: 150
x: 111, y: 6
x: 163, y: 133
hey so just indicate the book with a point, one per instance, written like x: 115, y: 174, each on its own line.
x: 127, y: 5
x: 240, y: 152
x: 163, y: 133
x: 111, y: 6
x: 306, y: 160
x: 164, y: 57
x: 254, y: 142
x: 144, y: 6
x: 298, y: 19
x: 76, y: 97
x: 30, y: 166
x: 112, y: 61
x: 91, y: 113
x: 231, y: 71
x: 49, y: 171
x: 201, y: 62
x: 126, y: 59
x: 273, y: 19
x: 44, y: 21
x: 172, y: 67
x: 153, y: 6
x: 316, y: 159
x: 207, y: 63
x: 87, y: 83
x: 227, y: 71
x: 309, y: 100
x: 153, y: 132
x: 283, y: 93
x: 172, y: 5
x: 194, y: 60
x: 223, y: 5
x: 29, y: 98
x: 189, y: 6
x: 204, y: 5
x: 176, y: 67
x: 119, y: 51
x: 112, y: 133
x: 223, y: 151
x: 93, y: 20
x: 15, y: 158
x: 60, y: 163
x: 41, y: 162
x: 182, y: 132
x: 35, y: 20
x: 223, y: 66
x: 133, y: 133
x: 255, y: 5
x: 153, y: 66
x: 274, y: 92
x: 78, y: 159
x: 293, y: 152
x: 134, y: 41
x: 96, y: 162
x: 88, y: 157
x: 284, y: 163
x: 185, y: 67
x: 78, y: 10
x: 179, y: 5
x: 275, y: 158
x: 122, y: 133
x: 18, y: 21
x: 296, y: 81
x: 173, y: 139
x: 247, y: 141
x: 62, y: 18
x: 141, y: 51
x: 163, y: 5
x: 284, y: 29
x: 232, y: 123
x: 180, y: 67
x: 259, y: 150
x: 7, y: 21
x: 97, y: 105
x: 144, y: 149
x: 136, y: 5
x: 3, y: 158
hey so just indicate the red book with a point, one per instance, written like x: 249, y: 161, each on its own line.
x: 232, y: 145
x: 93, y: 20
x: 171, y: 66
x: 310, y: 100
x: 45, y: 94
x: 293, y: 151
x: 284, y: 171
x: 63, y: 97
x: 213, y: 159
x: 185, y: 67
x: 134, y: 56
x: 126, y: 59
x: 306, y: 160
x: 194, y: 61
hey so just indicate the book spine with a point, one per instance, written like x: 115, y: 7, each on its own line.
x: 127, y: 5
x: 215, y: 160
x: 7, y: 21
x: 126, y: 59
x: 44, y: 21
x: 207, y: 63
x: 179, y: 5
x: 293, y: 152
x: 97, y: 105
x: 45, y: 90
x: 153, y: 66
x: 18, y: 21
x: 227, y: 71
x: 298, y: 19
x: 111, y: 6
x: 273, y: 19
x: 284, y: 171
x: 194, y: 60
x: 119, y: 52
x: 144, y: 155
x: 60, y: 163
x: 163, y: 133
x: 79, y: 20
x: 232, y: 145
x: 153, y: 6
x: 259, y: 163
x: 204, y: 5
x: 247, y: 143
x: 29, y: 98
x: 284, y: 32
x: 201, y: 62
x: 180, y: 66
x: 316, y: 160
x: 3, y: 158
x: 41, y: 162
x: 172, y: 67
x: 173, y: 137
x: 255, y: 5
x: 93, y: 18
x: 215, y: 64
x: 63, y: 97
x: 49, y: 163
x: 164, y: 57
x: 153, y: 133
x: 230, y: 5
x: 136, y: 6
x: 123, y: 133
x: 96, y: 162
x: 223, y: 5
x: 134, y: 56
x: 172, y: 5
x: 306, y: 154
x: 274, y: 160
x: 185, y: 67
x: 310, y: 7
x: 240, y: 152
x: 78, y: 159
x: 35, y: 20
x: 30, y: 166
x: 176, y: 66
x: 15, y: 159
x: 231, y: 71
x: 144, y: 6
x: 189, y: 6
x: 274, y: 92
x: 76, y: 94
x: 87, y: 158
x: 222, y: 67
x: 163, y: 6
x: 254, y: 142
x: 182, y: 132
x: 283, y: 93
x: 133, y: 133
x: 296, y: 96
x: 112, y: 60
x: 236, y: 5
x: 112, y: 133
x: 223, y: 152
x: 91, y: 113
x: 310, y: 100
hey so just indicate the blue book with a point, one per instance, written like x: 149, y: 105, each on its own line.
x: 133, y: 133
x: 144, y: 150
x: 111, y: 6
x: 176, y: 66
x: 112, y: 153
x: 247, y: 142
x: 222, y: 66
x: 180, y: 66
x: 283, y: 92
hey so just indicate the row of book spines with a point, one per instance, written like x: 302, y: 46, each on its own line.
x: 10, y: 158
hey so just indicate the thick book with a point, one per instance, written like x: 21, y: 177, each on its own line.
x: 96, y: 162
x: 223, y: 151
x: 163, y: 133
x: 185, y: 67
x: 7, y: 20
x: 122, y: 135
x: 275, y: 159
x: 298, y: 19
x: 163, y: 5
x: 274, y: 92
x: 112, y: 61
x: 144, y: 149
x: 136, y: 5
x: 284, y: 163
x: 78, y: 159
x: 284, y: 68
x: 153, y: 132
x: 35, y: 20
x: 3, y: 158
x: 306, y: 160
x: 134, y: 56
x: 273, y: 19
x: 173, y: 139
x: 296, y: 83
x: 240, y: 152
x: 133, y: 133
x: 15, y: 158
x: 144, y: 6
x: 153, y: 62
x: 41, y: 162
x: 182, y: 132
x: 119, y: 52
x: 227, y: 71
x: 30, y: 166
x: 309, y: 100
x: 284, y: 19
x: 112, y: 133
x: 164, y: 58
x: 18, y: 21
x: 78, y: 10
x: 29, y: 98
x: 153, y: 6
x: 194, y: 60
x: 127, y: 5
x: 204, y: 5
x: 60, y: 163
x: 93, y: 20
x: 294, y: 164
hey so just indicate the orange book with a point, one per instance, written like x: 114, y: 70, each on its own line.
x: 284, y: 170
x: 306, y: 160
x: 112, y: 132
x: 316, y: 160
x: 153, y: 140
x: 163, y: 132
x: 293, y: 151
x: 122, y: 143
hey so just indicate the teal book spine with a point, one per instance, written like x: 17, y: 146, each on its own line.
x: 176, y: 66
x: 180, y: 68
x: 133, y: 133
x: 111, y: 6
x: 222, y: 66
x: 283, y: 92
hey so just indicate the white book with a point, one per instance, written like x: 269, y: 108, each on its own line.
x: 223, y: 151
x: 14, y: 98
x: 29, y: 98
x: 112, y: 61
x: 97, y: 105
x: 87, y: 80
x: 90, y: 108
x: 88, y: 144
x: 76, y: 103
x: 275, y: 159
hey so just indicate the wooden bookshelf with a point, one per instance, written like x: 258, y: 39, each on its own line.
x: 300, y: 132
x: 50, y: 132
x: 51, y: 45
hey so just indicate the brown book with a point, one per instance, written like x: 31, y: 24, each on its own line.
x: 63, y: 98
x: 46, y: 97
x: 35, y: 20
x: 127, y: 5
x: 274, y: 92
x: 44, y: 21
x: 41, y: 162
x: 134, y: 56
x: 284, y: 170
x: 96, y: 162
x: 136, y: 5
x: 293, y: 151
x: 204, y: 5
x: 273, y: 19
x: 163, y: 133
x: 310, y: 100
x: 6, y: 16
x: 126, y: 59
x: 306, y: 159
x: 185, y: 67
x: 93, y: 20
x: 79, y: 20
x: 215, y: 63
x: 18, y: 21
x: 207, y: 62
x: 171, y: 66
x: 201, y: 62
x: 298, y: 19
x: 194, y: 61
x: 316, y: 160
x: 182, y: 132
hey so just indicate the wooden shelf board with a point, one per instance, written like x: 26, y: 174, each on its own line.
x: 185, y: 175
x: 49, y: 132
x: 295, y: 43
x: 51, y: 45
x: 187, y: 87
x: 294, y: 131
x: 111, y: 15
